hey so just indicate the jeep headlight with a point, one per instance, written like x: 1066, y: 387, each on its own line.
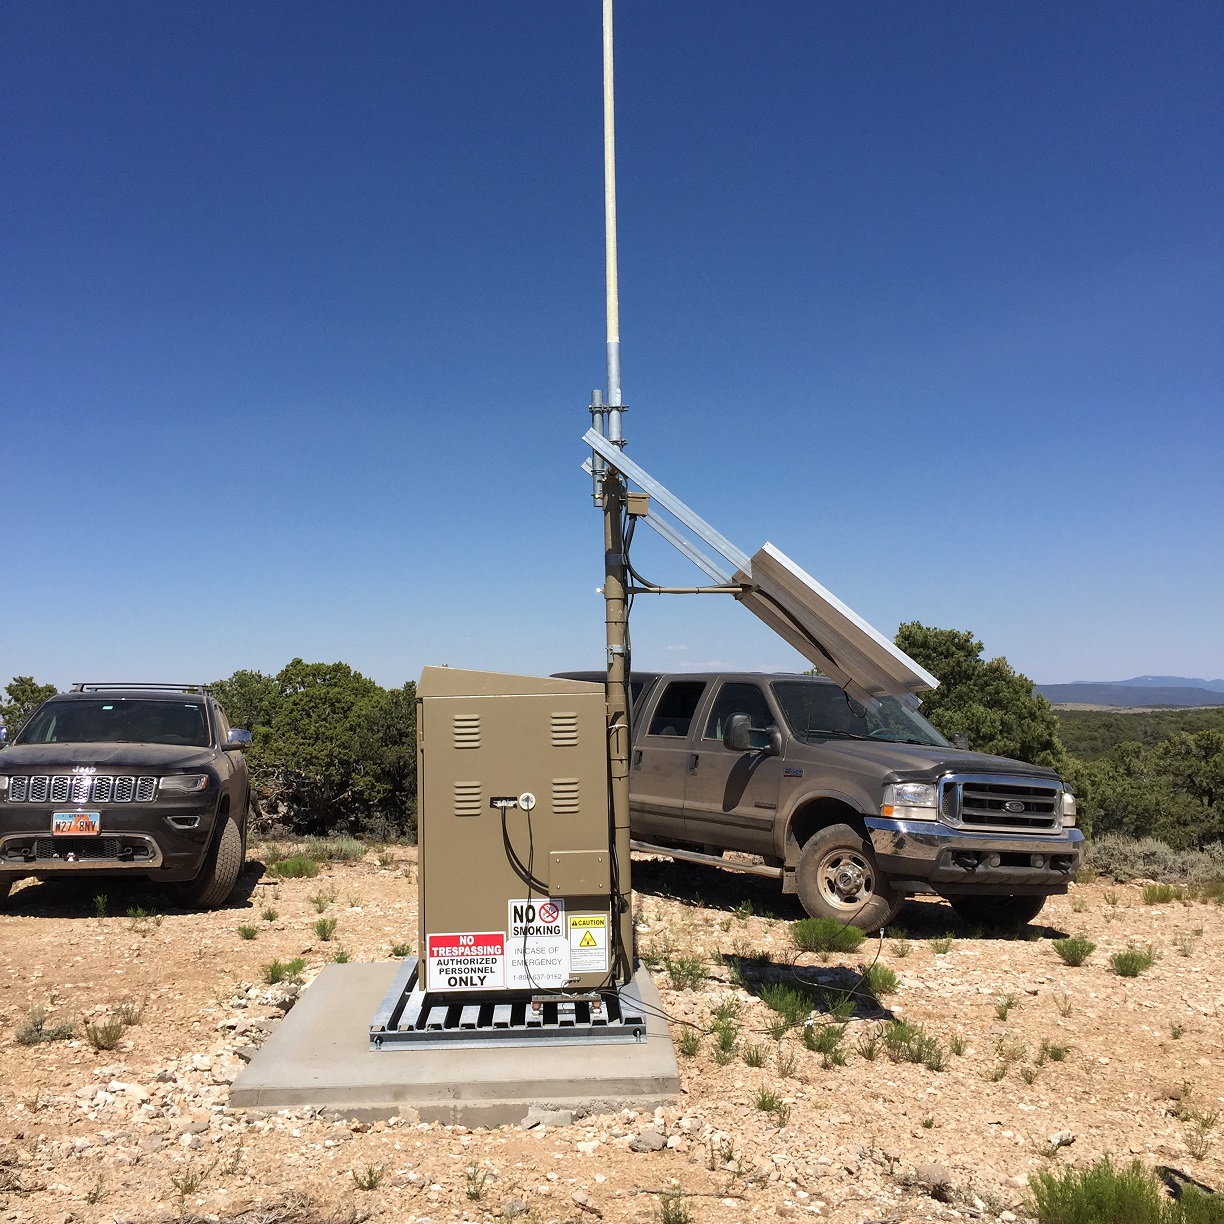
x: 1067, y: 810
x: 900, y: 797
x: 180, y: 783
x: 3, y: 784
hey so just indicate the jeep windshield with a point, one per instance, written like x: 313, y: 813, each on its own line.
x: 117, y: 721
x: 814, y: 711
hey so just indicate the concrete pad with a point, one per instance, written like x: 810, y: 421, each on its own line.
x: 319, y: 1057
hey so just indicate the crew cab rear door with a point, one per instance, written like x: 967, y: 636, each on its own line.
x: 731, y: 799
x: 661, y: 758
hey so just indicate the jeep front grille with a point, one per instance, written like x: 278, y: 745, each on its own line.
x: 1000, y: 803
x: 81, y: 788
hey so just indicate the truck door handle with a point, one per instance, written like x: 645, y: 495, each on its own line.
x: 637, y: 758
x: 693, y: 759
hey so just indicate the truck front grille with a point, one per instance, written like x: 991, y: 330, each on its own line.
x: 1001, y: 803
x: 81, y: 788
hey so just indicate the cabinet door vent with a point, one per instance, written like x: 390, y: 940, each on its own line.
x: 467, y: 799
x: 565, y: 730
x: 565, y: 796
x: 466, y: 728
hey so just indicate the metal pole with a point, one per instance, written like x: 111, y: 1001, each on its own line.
x: 615, y: 433
x: 616, y: 612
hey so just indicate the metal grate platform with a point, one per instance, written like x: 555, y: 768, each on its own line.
x: 411, y: 1018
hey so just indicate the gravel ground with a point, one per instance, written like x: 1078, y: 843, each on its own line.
x: 1043, y: 1065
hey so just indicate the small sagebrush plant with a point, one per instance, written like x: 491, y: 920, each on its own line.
x: 1133, y: 961
x: 401, y: 950
x: 792, y: 1005
x: 325, y: 928
x: 880, y: 979
x: 826, y: 1040
x: 35, y: 1029
x: 1074, y: 950
x: 296, y: 867
x: 672, y: 1207
x: 246, y: 931
x: 941, y: 945
x: 106, y: 1034
x: 825, y: 936
x: 1161, y: 894
x: 1104, y: 1193
x: 283, y: 971
x: 753, y: 1055
x: 686, y: 972
x: 335, y: 849
x: 130, y: 1009
x: 689, y: 1043
x: 370, y: 1177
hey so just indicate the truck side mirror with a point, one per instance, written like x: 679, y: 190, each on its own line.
x: 775, y: 742
x: 960, y: 740
x: 737, y: 735
x: 237, y: 739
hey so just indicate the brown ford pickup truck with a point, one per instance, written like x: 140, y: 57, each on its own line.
x: 854, y: 809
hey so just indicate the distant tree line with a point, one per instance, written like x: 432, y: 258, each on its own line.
x: 1145, y: 778
x: 335, y: 752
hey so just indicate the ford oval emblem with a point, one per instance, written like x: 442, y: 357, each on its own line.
x: 1013, y: 805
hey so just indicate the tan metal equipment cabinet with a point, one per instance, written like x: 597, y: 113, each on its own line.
x: 516, y: 872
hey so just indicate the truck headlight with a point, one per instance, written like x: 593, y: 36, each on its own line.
x: 1067, y: 810
x: 184, y: 782
x: 900, y: 795
x: 3, y: 784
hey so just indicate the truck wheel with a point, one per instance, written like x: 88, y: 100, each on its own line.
x: 838, y: 877
x: 1001, y: 913
x: 220, y: 871
x: 5, y: 886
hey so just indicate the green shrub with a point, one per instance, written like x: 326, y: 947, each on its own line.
x: 105, y: 1035
x: 400, y: 950
x: 689, y: 1043
x: 1133, y: 961
x: 35, y: 1029
x: 325, y: 928
x: 246, y: 931
x: 1075, y: 949
x: 296, y: 867
x: 794, y: 1006
x: 686, y: 972
x: 825, y: 935
x: 335, y: 849
x: 1101, y: 1194
x: 1126, y: 858
x: 826, y: 1040
x: 283, y: 971
x: 905, y: 1042
x: 1161, y: 894
x: 880, y: 980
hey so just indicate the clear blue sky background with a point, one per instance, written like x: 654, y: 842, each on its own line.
x: 302, y: 304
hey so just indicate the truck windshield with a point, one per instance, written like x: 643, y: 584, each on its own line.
x: 115, y: 721
x: 813, y: 709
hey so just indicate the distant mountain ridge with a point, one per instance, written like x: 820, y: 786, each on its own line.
x: 1216, y: 686
x: 1139, y: 691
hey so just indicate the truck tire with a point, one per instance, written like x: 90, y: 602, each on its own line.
x: 1001, y: 913
x: 5, y: 887
x: 838, y: 877
x: 222, y: 865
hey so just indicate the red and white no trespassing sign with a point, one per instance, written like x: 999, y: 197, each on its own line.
x: 466, y: 960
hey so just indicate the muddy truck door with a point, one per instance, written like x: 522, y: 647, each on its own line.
x: 731, y: 799
x: 661, y: 758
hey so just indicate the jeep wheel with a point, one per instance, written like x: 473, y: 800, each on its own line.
x: 838, y: 877
x: 219, y: 874
x: 1001, y: 913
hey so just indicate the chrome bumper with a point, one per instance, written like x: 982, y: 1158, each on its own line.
x: 926, y: 855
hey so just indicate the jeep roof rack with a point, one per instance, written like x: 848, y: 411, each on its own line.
x: 96, y: 686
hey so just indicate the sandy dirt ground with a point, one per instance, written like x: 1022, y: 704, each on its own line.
x: 1043, y: 1065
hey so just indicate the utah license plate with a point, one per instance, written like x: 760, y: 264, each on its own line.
x: 75, y: 824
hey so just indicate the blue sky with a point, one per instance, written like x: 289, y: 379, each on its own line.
x: 302, y: 305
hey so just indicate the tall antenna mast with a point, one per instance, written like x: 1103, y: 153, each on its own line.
x: 610, y: 492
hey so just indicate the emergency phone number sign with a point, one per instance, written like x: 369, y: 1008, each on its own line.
x: 466, y: 960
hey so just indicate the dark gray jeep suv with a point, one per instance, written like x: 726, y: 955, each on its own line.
x: 114, y: 779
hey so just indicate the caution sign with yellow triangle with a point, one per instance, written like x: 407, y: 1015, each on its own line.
x: 588, y: 940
